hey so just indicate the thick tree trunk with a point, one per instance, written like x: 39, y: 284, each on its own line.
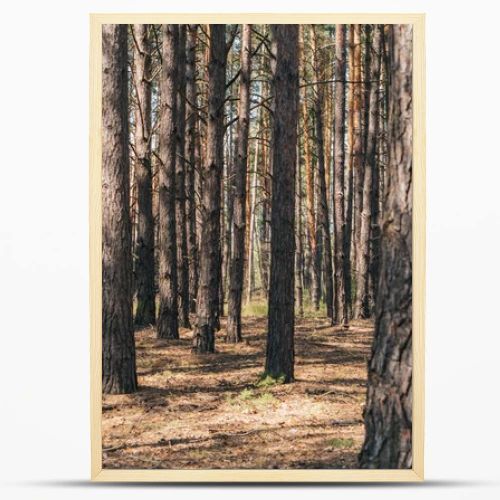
x: 323, y: 201
x: 340, y: 251
x: 168, y: 315
x: 190, y: 155
x: 361, y: 308
x: 118, y: 349
x: 237, y: 258
x: 388, y: 413
x: 280, y: 338
x: 210, y: 262
x: 180, y: 184
x: 144, y: 268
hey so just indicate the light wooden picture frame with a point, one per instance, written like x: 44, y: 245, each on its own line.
x: 419, y: 248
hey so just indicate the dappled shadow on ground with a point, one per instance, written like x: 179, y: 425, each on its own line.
x: 199, y: 412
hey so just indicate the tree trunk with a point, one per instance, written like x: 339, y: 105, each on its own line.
x: 388, y: 413
x: 363, y: 253
x: 237, y: 258
x: 190, y: 155
x: 357, y: 155
x: 251, y: 231
x: 341, y: 256
x: 299, y: 253
x: 144, y: 268
x: 210, y: 262
x: 348, y: 178
x: 180, y: 184
x: 311, y: 185
x: 168, y: 315
x: 118, y: 349
x: 280, y: 338
x: 323, y: 200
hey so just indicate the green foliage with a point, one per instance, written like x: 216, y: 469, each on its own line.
x: 267, y: 380
x: 249, y: 399
x: 341, y: 443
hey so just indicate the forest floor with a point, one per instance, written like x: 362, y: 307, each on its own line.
x: 210, y: 412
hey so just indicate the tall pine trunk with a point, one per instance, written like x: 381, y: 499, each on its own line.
x: 180, y: 186
x: 280, y: 338
x: 191, y: 158
x: 361, y: 306
x: 388, y: 412
x: 237, y: 257
x: 118, y: 349
x: 210, y: 261
x: 323, y: 200
x: 341, y: 254
x: 144, y: 266
x: 168, y: 315
x: 357, y: 155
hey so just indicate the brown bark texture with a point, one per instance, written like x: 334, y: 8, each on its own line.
x: 237, y: 257
x: 341, y: 257
x: 388, y: 412
x: 191, y: 163
x: 118, y: 349
x: 210, y: 261
x: 280, y: 339
x: 180, y: 187
x: 361, y: 306
x: 168, y: 326
x: 144, y: 265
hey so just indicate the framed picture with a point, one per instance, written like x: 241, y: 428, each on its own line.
x: 257, y: 247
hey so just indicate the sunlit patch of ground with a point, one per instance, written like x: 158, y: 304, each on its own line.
x: 208, y: 412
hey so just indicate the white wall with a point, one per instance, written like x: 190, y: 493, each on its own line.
x: 44, y: 248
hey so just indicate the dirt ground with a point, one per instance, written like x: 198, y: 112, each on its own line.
x: 198, y: 412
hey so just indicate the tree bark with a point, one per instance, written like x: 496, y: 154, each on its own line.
x: 168, y: 316
x: 323, y: 200
x: 237, y: 258
x: 190, y: 155
x: 144, y: 266
x: 361, y: 306
x: 118, y: 349
x: 280, y: 338
x: 357, y: 155
x: 388, y: 413
x: 348, y: 178
x: 340, y: 237
x: 180, y: 184
x: 210, y: 262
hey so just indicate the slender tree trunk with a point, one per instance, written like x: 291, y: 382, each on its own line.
x: 299, y: 253
x: 144, y: 267
x: 323, y: 201
x: 388, y: 413
x: 361, y: 308
x: 168, y: 315
x: 237, y: 261
x: 251, y: 233
x: 280, y: 338
x: 190, y: 155
x: 348, y: 179
x: 357, y: 155
x: 341, y: 314
x: 311, y: 185
x: 210, y: 262
x: 180, y: 184
x: 118, y: 349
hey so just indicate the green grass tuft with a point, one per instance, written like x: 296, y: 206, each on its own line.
x: 341, y: 443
